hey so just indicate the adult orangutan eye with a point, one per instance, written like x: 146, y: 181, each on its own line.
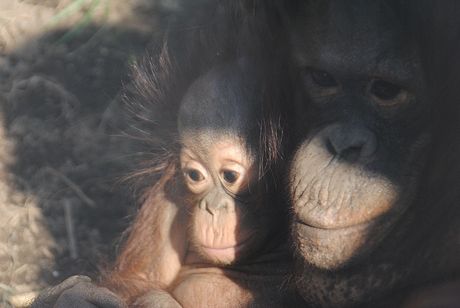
x: 322, y: 78
x: 385, y: 90
x: 194, y: 175
x: 230, y: 176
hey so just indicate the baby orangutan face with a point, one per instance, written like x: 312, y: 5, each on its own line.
x: 220, y: 173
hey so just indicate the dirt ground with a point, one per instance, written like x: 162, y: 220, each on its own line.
x: 63, y: 65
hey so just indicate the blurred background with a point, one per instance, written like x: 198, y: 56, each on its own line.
x: 63, y: 66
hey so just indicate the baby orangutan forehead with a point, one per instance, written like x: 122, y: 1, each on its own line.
x: 205, y: 140
x: 226, y: 99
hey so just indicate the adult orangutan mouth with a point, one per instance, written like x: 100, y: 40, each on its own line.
x: 326, y: 233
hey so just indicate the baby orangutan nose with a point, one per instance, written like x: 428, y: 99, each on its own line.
x: 218, y: 202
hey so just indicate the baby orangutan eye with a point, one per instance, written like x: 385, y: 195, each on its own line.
x: 194, y: 175
x: 230, y: 176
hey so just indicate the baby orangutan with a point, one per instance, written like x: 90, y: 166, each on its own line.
x: 220, y: 239
x: 237, y: 252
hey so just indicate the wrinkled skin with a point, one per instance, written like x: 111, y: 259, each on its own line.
x: 357, y: 170
x: 355, y: 178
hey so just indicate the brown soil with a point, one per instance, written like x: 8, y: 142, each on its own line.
x: 62, y: 155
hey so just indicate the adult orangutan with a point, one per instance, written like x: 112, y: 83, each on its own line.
x: 374, y: 183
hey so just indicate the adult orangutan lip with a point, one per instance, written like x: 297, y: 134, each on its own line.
x: 318, y: 233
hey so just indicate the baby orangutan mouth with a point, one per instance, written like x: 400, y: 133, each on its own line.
x: 223, y: 255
